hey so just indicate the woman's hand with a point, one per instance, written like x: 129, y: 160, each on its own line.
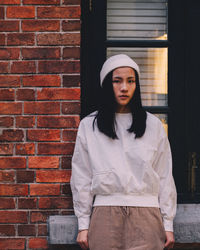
x: 169, y: 244
x: 82, y: 239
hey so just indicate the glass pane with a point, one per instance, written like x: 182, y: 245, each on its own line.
x: 164, y: 120
x: 153, y: 72
x: 137, y: 19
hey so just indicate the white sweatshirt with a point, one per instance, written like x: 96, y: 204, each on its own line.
x: 124, y: 171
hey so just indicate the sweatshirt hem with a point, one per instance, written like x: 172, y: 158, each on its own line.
x: 126, y: 200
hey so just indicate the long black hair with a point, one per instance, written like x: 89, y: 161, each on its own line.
x: 107, y: 107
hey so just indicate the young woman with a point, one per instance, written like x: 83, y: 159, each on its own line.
x: 123, y: 190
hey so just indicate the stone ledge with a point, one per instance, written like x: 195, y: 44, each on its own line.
x: 63, y: 229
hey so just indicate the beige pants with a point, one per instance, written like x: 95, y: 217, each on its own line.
x: 126, y: 228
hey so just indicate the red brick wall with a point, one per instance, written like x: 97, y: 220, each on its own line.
x: 39, y: 115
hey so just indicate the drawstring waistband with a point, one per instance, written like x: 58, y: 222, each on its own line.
x: 126, y: 209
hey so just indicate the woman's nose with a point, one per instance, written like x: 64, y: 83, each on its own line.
x: 124, y: 86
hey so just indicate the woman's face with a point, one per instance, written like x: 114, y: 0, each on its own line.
x: 124, y: 84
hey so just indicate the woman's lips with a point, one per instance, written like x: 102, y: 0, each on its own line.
x: 123, y: 97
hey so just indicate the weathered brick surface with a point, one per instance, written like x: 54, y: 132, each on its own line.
x: 13, y: 190
x: 9, y: 81
x: 27, y: 203
x: 25, y: 121
x: 43, y: 162
x: 40, y: 25
x: 44, y: 189
x: 53, y: 175
x: 43, y: 135
x: 54, y: 203
x: 39, y: 115
x: 41, y: 80
x: 7, y: 176
x: 21, y: 12
x: 23, y: 39
x: 7, y: 230
x: 7, y: 203
x: 14, y: 244
x: 9, y: 53
x: 25, y: 176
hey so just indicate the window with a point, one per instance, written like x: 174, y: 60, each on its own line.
x: 162, y: 37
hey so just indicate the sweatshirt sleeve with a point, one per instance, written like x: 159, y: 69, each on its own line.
x: 80, y: 182
x: 167, y: 194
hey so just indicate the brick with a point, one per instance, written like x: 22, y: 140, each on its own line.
x: 38, y: 243
x: 71, y: 108
x: 41, y: 53
x: 43, y: 135
x: 59, y: 39
x: 7, y: 203
x: 6, y: 121
x: 13, y: 108
x: 12, y: 244
x: 10, y: 1
x: 2, y: 39
x: 53, y: 175
x: 42, y: 230
x: 25, y: 148
x: 54, y: 148
x: 9, y: 53
x: 9, y: 26
x: 71, y: 53
x: 26, y: 39
x: 23, y: 67
x: 13, y: 190
x: 11, y: 135
x: 66, y: 189
x: 13, y: 217
x: 71, y: 81
x: 7, y: 230
x: 71, y: 25
x: 7, y: 95
x: 42, y: 2
x: 71, y: 2
x: 55, y: 203
x: 6, y: 149
x: 9, y: 81
x: 41, y: 108
x: 66, y: 212
x: 59, y: 12
x: 1, y: 12
x: 41, y: 217
x: 58, y: 122
x: 59, y: 66
x: 40, y: 25
x: 12, y: 162
x: 66, y: 162
x: 27, y: 203
x: 25, y: 176
x: 25, y: 94
x: 58, y: 94
x: 26, y: 230
x: 69, y: 135
x: 7, y: 176
x: 44, y: 189
x: 21, y: 12
x: 4, y: 67
x: 43, y: 162
x: 25, y: 121
x: 41, y: 80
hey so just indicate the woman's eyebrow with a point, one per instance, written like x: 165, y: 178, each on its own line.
x: 121, y: 77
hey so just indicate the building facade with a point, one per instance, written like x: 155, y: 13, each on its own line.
x: 51, y: 52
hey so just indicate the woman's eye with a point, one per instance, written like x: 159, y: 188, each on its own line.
x: 116, y: 81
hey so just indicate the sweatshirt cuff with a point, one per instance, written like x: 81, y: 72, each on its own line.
x: 168, y: 225
x: 83, y: 222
